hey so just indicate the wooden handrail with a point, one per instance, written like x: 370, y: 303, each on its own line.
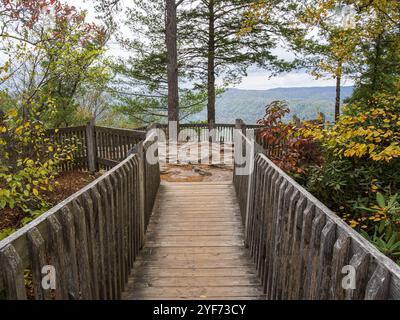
x: 99, y: 147
x: 92, y: 238
x: 300, y: 247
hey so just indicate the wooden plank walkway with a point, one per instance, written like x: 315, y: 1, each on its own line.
x: 194, y: 247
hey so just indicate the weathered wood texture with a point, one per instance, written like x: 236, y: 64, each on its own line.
x: 194, y: 247
x: 241, y: 181
x: 151, y: 178
x: 98, y: 147
x: 114, y: 145
x: 92, y: 238
x: 300, y: 247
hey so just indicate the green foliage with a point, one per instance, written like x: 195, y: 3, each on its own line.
x: 386, y: 239
x: 54, y: 56
x: 345, y: 185
x: 29, y: 162
x: 153, y: 110
x: 357, y: 173
x: 6, y: 232
x: 223, y: 38
x: 49, y: 57
x: 378, y: 53
x: 6, y: 101
x: 359, y: 179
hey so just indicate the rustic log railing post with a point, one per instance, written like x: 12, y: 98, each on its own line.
x: 139, y: 150
x: 249, y: 150
x: 211, y: 140
x: 241, y: 125
x: 150, y: 128
x: 250, y: 193
x: 91, y: 146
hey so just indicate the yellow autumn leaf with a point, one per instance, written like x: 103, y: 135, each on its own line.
x: 19, y: 130
x: 12, y: 113
x: 35, y: 192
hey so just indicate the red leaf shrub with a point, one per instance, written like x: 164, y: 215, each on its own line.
x: 285, y: 145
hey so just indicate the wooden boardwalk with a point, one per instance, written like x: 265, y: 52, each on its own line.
x: 194, y: 247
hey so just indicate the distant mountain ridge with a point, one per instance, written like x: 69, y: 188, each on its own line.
x: 249, y: 105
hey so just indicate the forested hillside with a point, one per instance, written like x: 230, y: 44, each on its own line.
x: 249, y: 105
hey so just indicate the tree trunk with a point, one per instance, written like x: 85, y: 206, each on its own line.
x: 211, y: 66
x: 376, y: 63
x: 338, y: 90
x: 337, y: 105
x: 172, y: 52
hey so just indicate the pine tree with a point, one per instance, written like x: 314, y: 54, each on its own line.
x: 147, y: 86
x: 215, y: 42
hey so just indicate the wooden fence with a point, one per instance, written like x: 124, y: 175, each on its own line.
x: 113, y: 145
x: 151, y: 174
x: 199, y: 132
x: 300, y: 247
x: 212, y: 147
x: 98, y: 147
x: 91, y: 239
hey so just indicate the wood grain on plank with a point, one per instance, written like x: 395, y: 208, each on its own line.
x: 194, y: 247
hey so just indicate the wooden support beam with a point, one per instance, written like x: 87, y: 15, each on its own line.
x: 91, y: 146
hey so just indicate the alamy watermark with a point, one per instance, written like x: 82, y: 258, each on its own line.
x: 50, y: 276
x: 203, y: 146
x: 349, y: 280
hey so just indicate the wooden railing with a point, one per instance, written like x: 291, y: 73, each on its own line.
x: 300, y: 247
x: 214, y: 147
x: 151, y: 174
x: 199, y: 132
x: 91, y: 239
x: 113, y: 145
x: 98, y: 147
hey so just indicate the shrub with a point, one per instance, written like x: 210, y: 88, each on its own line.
x: 352, y: 166
x: 288, y: 147
x: 29, y: 162
x: 385, y: 217
x: 359, y: 179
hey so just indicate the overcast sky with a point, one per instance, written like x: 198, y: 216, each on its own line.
x: 256, y: 79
